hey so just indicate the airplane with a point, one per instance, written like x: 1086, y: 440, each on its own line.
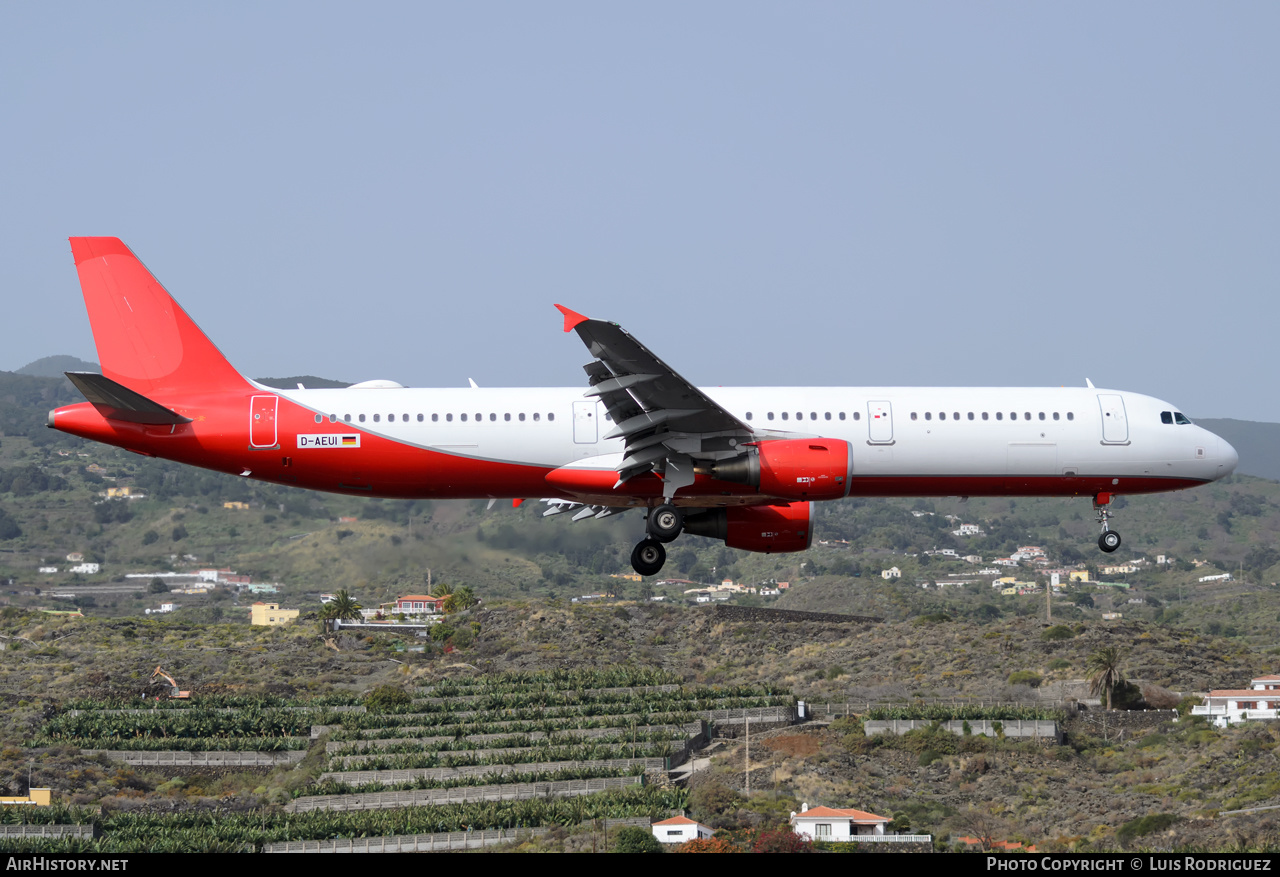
x: 742, y: 465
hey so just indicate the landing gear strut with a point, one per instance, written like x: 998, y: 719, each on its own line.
x: 648, y: 557
x: 1109, y: 541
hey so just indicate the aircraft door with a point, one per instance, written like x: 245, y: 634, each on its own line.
x: 1115, y: 427
x: 880, y: 423
x: 584, y: 423
x: 262, y: 421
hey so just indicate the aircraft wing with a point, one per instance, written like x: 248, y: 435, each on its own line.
x: 669, y: 425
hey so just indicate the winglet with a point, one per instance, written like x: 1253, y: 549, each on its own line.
x: 571, y: 318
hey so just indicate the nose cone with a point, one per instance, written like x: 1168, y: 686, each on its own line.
x: 1227, y: 458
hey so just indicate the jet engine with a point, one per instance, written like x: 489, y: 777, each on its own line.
x: 766, y: 529
x: 800, y: 469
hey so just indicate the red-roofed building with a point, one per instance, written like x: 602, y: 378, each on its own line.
x: 679, y: 829
x: 418, y: 604
x: 1227, y: 706
x: 828, y: 823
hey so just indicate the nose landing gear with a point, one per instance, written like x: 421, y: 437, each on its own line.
x: 1109, y: 541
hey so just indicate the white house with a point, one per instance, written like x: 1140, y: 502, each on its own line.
x: 679, y: 829
x: 86, y: 568
x: 828, y: 823
x: 891, y: 573
x: 1227, y: 706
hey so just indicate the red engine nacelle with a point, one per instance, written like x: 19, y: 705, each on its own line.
x: 799, y: 469
x: 766, y: 529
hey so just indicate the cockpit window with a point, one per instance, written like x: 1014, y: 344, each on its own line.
x: 1166, y: 417
x: 1179, y: 417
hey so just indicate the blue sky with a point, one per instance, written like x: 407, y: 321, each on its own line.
x: 813, y: 193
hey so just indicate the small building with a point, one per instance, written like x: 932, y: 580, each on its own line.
x: 1230, y: 706
x: 87, y: 569
x: 419, y: 604
x: 271, y: 615
x: 33, y: 798
x: 828, y: 823
x: 679, y: 829
x: 48, y: 569
x: 891, y: 573
x: 241, y: 506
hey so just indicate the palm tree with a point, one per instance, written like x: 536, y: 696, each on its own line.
x: 341, y: 608
x: 1103, y: 667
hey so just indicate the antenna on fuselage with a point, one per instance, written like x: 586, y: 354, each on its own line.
x: 1088, y: 383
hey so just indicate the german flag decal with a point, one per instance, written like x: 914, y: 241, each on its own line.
x: 328, y: 440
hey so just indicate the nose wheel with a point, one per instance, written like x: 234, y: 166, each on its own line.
x: 648, y: 557
x: 1109, y: 541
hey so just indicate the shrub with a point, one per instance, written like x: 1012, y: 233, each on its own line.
x: 386, y: 697
x: 707, y: 845
x: 1057, y: 632
x: 781, y: 841
x: 1144, y: 825
x: 1024, y: 677
x: 634, y: 839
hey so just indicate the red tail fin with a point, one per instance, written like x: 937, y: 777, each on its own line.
x: 145, y: 339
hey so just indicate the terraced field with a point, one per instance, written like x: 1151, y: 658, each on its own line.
x: 507, y: 751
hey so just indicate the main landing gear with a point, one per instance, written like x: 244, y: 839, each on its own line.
x: 1109, y: 541
x: 664, y: 524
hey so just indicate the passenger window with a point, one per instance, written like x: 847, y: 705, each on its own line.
x: 984, y: 415
x: 971, y: 415
x: 928, y: 415
x: 1166, y: 417
x: 828, y: 415
x: 842, y: 415
x: 551, y: 416
x: 770, y: 415
x: 1013, y: 415
x: 913, y: 415
x: 813, y: 415
x: 955, y: 415
x: 492, y: 417
x: 799, y: 415
x: 347, y: 418
x: 435, y: 418
x: 522, y: 417
x: 479, y: 417
x: 942, y: 415
x: 999, y: 415
x: 784, y: 415
x: 1055, y: 415
x: 319, y: 418
x: 420, y: 418
x: 333, y: 418
x: 1070, y: 416
x: 1026, y: 415
x: 463, y: 417
x: 748, y: 415
x: 857, y: 415
x: 377, y: 418
x: 537, y: 416
x: 1042, y: 415
x: 449, y: 418
x: 506, y: 416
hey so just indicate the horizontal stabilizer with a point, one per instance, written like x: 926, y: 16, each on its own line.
x: 117, y: 402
